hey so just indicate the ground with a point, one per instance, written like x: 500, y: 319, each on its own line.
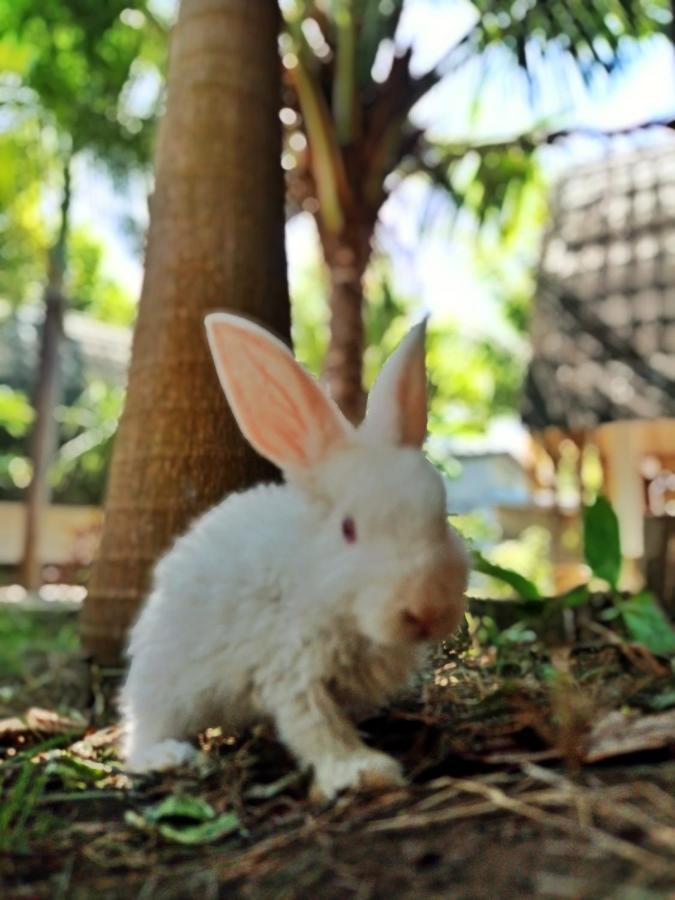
x: 537, y: 770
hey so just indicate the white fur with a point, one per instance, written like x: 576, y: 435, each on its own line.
x: 165, y: 755
x: 264, y: 611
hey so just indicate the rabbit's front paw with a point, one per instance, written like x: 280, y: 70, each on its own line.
x: 169, y: 754
x: 368, y: 770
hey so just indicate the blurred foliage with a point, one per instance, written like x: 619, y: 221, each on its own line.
x: 16, y: 416
x: 502, y: 237
x: 642, y: 619
x: 86, y: 430
x: 23, y: 252
x: 354, y: 93
x: 75, y: 78
x: 471, y: 380
x: 497, y: 191
x: 88, y: 427
x: 76, y: 65
x: 16, y: 413
x: 521, y: 585
x: 587, y: 31
x: 310, y: 314
x: 24, y: 164
x: 520, y: 566
x: 24, y: 635
x: 79, y: 80
x: 89, y: 289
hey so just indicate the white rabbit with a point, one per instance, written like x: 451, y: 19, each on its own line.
x: 307, y: 602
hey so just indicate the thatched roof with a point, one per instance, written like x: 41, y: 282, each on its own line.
x: 603, y: 332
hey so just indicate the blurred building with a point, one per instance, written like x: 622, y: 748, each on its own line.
x: 91, y: 350
x: 603, y: 337
x: 485, y: 480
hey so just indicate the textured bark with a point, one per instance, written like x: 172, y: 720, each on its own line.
x: 346, y: 256
x: 216, y: 240
x: 45, y: 430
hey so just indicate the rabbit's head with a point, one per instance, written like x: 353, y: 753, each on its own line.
x: 381, y: 547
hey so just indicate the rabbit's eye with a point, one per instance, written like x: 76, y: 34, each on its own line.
x: 349, y: 529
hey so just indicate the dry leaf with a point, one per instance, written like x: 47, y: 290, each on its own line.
x: 618, y: 734
x: 36, y: 722
x: 97, y: 740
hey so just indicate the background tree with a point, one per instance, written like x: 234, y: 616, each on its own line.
x: 472, y: 379
x: 67, y: 68
x: 216, y: 240
x: 350, y: 126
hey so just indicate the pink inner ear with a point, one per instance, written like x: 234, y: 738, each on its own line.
x: 397, y: 406
x: 280, y: 409
x: 412, y: 401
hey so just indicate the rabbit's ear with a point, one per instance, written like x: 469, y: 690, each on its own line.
x: 280, y: 408
x: 397, y: 405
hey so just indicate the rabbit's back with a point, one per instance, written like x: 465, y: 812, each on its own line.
x: 215, y: 608
x: 236, y: 549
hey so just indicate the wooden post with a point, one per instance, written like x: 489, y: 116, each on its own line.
x: 660, y: 560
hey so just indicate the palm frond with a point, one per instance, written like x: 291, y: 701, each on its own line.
x: 377, y: 22
x: 488, y: 183
x: 345, y: 99
x: 332, y: 186
x: 583, y: 26
x: 359, y: 131
x: 327, y: 163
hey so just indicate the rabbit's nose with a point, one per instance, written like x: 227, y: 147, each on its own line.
x: 420, y: 624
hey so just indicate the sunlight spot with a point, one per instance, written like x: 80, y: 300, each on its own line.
x: 288, y: 116
x: 134, y: 18
x: 287, y: 161
x: 297, y: 141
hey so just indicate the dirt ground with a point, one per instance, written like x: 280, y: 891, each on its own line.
x: 541, y: 771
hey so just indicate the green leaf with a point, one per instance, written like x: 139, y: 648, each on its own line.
x: 76, y: 773
x: 666, y: 700
x: 180, y: 806
x: 647, y: 624
x: 185, y: 820
x: 518, y: 633
x: 602, y: 546
x: 204, y: 832
x: 16, y: 413
x: 521, y: 585
x: 577, y: 596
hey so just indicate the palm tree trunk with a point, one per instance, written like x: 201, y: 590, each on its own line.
x: 45, y: 430
x: 216, y: 240
x: 346, y: 255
